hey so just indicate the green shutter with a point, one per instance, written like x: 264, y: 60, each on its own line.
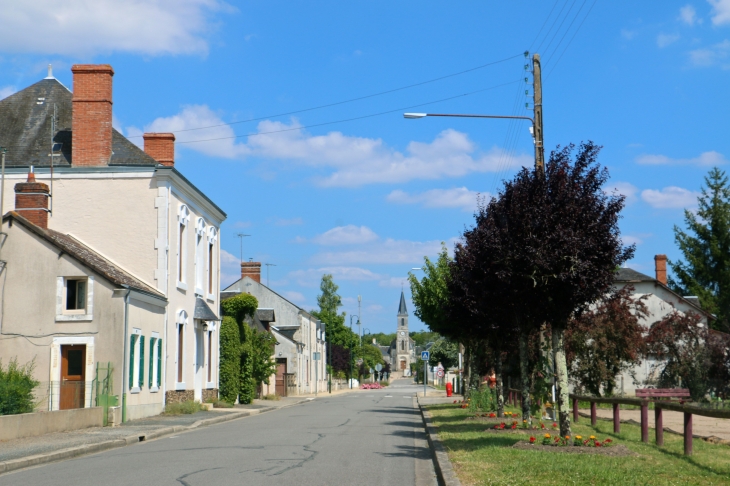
x: 132, y: 342
x: 159, y: 363
x: 141, y: 361
x: 152, y: 357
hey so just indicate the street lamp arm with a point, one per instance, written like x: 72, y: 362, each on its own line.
x: 421, y: 115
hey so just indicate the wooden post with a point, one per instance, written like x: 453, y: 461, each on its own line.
x: 575, y: 410
x: 593, y: 414
x: 537, y: 102
x: 644, y: 421
x: 659, y: 424
x: 616, y: 419
x: 687, y: 434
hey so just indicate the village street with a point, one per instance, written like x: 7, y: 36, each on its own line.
x: 365, y: 437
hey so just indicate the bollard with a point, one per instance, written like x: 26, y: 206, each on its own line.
x: 687, y: 434
x: 593, y: 414
x: 616, y: 419
x: 575, y: 410
x: 659, y: 425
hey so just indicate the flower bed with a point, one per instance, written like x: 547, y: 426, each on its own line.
x: 615, y: 450
x: 371, y: 386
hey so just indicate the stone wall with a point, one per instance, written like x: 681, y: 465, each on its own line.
x: 210, y: 395
x: 179, y: 396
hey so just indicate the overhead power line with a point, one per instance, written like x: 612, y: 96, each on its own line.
x: 255, y: 134
x: 571, y: 39
x: 351, y: 100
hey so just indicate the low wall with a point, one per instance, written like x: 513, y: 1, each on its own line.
x: 40, y: 423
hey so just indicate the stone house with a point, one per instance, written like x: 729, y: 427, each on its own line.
x: 299, y: 336
x: 131, y: 206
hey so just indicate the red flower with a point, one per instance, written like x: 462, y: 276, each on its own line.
x: 555, y: 424
x: 598, y: 444
x: 608, y: 440
x: 532, y: 440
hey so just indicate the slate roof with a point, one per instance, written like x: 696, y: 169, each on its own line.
x: 203, y: 312
x: 630, y: 275
x: 402, y: 311
x: 73, y: 247
x: 25, y: 129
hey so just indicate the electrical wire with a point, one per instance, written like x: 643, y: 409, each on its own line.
x: 557, y: 31
x: 539, y: 47
x: 571, y: 39
x: 351, y: 100
x: 557, y: 46
x: 254, y: 134
x: 543, y: 24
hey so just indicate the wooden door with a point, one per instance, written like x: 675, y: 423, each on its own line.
x: 280, y: 388
x: 73, y: 376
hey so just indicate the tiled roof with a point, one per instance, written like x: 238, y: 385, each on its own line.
x: 630, y: 275
x: 25, y: 129
x: 73, y: 247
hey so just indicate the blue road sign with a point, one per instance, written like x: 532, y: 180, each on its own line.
x: 424, y: 355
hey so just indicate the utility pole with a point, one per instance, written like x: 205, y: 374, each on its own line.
x: 267, y: 272
x: 537, y: 102
x: 359, y: 313
x: 242, y: 236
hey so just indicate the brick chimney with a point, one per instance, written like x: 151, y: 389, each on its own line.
x: 91, y: 123
x: 251, y: 269
x: 161, y: 147
x: 660, y: 267
x: 31, y: 200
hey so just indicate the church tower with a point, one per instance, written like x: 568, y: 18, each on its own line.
x: 403, y: 340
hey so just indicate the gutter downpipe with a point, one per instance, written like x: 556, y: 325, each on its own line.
x: 124, y: 359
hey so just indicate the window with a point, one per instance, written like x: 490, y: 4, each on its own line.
x: 200, y: 247
x: 402, y: 322
x: 76, y: 295
x: 182, y: 320
x: 136, y: 361
x: 74, y: 298
x: 183, y: 220
x: 155, y: 362
x: 212, y: 237
x: 210, y: 356
x: 402, y: 345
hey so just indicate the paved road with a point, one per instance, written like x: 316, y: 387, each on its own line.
x: 363, y: 438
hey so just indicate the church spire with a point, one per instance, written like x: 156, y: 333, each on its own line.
x: 402, y: 311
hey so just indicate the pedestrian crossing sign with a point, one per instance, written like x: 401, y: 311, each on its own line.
x: 424, y: 355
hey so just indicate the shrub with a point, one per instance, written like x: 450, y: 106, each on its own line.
x: 385, y: 383
x: 230, y: 355
x: 181, y: 408
x: 484, y: 400
x: 16, y: 387
x: 271, y: 396
x: 222, y: 404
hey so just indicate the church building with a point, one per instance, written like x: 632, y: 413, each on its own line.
x: 402, y: 348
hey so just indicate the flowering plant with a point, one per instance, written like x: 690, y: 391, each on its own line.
x: 371, y: 386
x: 492, y: 415
x: 578, y: 440
x: 555, y: 426
x: 546, y: 439
x: 532, y: 439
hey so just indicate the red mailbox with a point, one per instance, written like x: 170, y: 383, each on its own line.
x: 449, y: 390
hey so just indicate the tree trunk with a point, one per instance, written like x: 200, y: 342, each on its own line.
x: 499, y: 386
x: 466, y: 377
x: 525, y: 377
x: 561, y: 369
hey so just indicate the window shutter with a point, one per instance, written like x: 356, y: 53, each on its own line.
x: 132, y: 342
x: 159, y: 363
x: 152, y: 360
x: 141, y: 361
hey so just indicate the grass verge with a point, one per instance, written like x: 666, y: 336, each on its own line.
x: 183, y: 408
x: 483, y: 457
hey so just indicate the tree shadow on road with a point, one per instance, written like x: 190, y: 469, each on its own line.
x: 409, y: 451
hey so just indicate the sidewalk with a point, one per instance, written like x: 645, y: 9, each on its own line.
x: 30, y: 451
x: 701, y: 426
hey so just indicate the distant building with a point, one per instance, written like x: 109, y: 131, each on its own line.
x: 299, y: 336
x: 402, y: 348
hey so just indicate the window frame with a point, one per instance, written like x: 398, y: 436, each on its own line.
x: 200, y: 256
x: 180, y: 325
x: 66, y: 315
x: 210, y: 263
x: 136, y: 357
x: 183, y: 221
x: 154, y: 362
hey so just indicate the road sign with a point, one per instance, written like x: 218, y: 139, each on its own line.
x: 378, y: 367
x: 424, y: 355
x: 317, y: 356
x: 440, y: 373
x: 371, y: 371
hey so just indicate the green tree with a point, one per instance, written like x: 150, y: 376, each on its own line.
x: 16, y: 387
x: 230, y: 355
x: 705, y: 271
x: 445, y: 352
x: 430, y: 295
x: 240, y: 363
x: 329, y: 302
x: 421, y: 338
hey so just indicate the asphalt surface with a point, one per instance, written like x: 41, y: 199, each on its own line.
x: 362, y: 438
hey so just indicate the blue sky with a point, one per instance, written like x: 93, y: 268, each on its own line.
x: 366, y: 199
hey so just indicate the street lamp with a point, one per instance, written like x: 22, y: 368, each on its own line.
x: 539, y: 151
x: 351, y: 371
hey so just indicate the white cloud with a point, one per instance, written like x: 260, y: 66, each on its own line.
x: 84, y: 28
x: 230, y: 268
x: 389, y: 251
x: 663, y: 40
x: 718, y: 54
x: 670, y: 198
x: 394, y: 282
x: 628, y: 34
x: 704, y: 159
x: 624, y: 188
x: 346, y: 235
x: 720, y: 11
x: 631, y: 240
x: 293, y: 296
x: 457, y: 197
x: 313, y: 276
x: 242, y: 224
x: 7, y: 91
x: 688, y: 15
x: 351, y: 161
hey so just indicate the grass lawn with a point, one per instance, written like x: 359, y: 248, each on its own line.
x: 483, y: 457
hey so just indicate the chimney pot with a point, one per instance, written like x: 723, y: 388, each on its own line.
x: 660, y: 268
x: 31, y: 200
x: 91, y: 123
x: 251, y: 269
x: 161, y: 147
